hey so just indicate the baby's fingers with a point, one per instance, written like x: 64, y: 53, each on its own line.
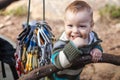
x: 95, y: 56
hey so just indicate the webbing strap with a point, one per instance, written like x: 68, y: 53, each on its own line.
x: 3, y: 69
x: 43, y: 10
x: 28, y: 13
x: 14, y: 72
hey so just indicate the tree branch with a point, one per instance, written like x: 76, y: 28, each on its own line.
x: 49, y: 69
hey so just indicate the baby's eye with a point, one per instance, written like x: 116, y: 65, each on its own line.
x: 82, y: 26
x: 70, y: 25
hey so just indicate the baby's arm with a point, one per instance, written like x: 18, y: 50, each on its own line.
x: 64, y: 54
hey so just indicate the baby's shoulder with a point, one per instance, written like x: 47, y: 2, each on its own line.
x: 60, y: 43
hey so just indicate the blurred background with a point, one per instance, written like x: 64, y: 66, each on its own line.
x: 107, y: 25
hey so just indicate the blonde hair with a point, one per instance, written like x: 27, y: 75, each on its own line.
x: 78, y: 6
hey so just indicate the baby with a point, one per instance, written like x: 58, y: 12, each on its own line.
x: 77, y: 40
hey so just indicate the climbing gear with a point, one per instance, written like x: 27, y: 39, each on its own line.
x: 34, y: 45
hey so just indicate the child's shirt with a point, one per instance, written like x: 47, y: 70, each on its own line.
x: 64, y: 53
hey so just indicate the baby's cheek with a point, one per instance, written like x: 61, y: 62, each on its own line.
x: 85, y: 34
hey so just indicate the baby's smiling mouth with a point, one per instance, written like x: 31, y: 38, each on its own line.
x: 73, y: 37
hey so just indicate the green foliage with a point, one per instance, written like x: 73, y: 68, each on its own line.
x: 110, y: 11
x: 2, y: 12
x: 19, y: 11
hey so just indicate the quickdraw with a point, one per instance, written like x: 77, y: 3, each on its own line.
x: 34, y: 45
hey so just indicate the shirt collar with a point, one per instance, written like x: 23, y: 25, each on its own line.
x: 91, y: 36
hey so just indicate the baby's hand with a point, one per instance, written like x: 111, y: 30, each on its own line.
x: 80, y: 42
x: 96, y: 55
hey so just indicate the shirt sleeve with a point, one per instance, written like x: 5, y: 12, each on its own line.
x: 62, y: 57
x: 99, y: 47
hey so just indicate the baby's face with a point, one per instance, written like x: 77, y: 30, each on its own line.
x: 78, y: 25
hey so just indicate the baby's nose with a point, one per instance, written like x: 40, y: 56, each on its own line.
x: 75, y: 30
